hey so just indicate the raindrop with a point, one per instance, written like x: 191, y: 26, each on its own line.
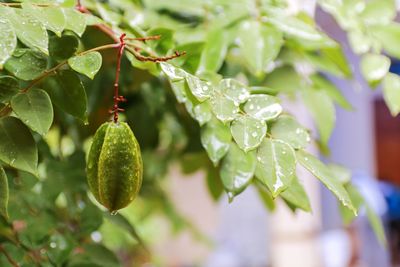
x: 254, y: 134
x: 114, y: 212
x: 53, y: 245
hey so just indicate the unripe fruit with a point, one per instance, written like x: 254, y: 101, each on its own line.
x: 114, y: 167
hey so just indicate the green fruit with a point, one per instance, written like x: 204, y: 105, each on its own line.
x: 114, y: 167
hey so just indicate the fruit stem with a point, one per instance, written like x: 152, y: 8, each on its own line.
x: 117, y: 97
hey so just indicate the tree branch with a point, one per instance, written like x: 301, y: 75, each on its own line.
x: 8, y: 256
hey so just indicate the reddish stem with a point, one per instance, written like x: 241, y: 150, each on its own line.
x: 117, y: 97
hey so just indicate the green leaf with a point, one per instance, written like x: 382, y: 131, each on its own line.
x: 296, y: 195
x: 173, y: 73
x: 3, y: 193
x: 202, y: 112
x: 64, y: 47
x: 332, y: 91
x: 260, y: 44
x: 340, y: 173
x: 324, y: 174
x: 34, y: 108
x: 374, y: 67
x: 284, y: 79
x: 29, y: 30
x: 237, y: 170
x: 67, y: 92
x: 389, y: 37
x: 179, y: 88
x: 88, y: 64
x: 215, y: 138
x: 214, y: 51
x: 8, y: 87
x: 17, y: 147
x: 276, y: 165
x: 376, y: 224
x: 214, y: 183
x: 248, y: 132
x: 263, y: 107
x: 233, y: 90
x: 391, y: 92
x: 200, y: 89
x: 359, y: 42
x: 335, y: 54
x: 8, y: 41
x: 224, y: 108
x: 265, y: 196
x: 75, y: 21
x: 51, y: 17
x: 322, y: 110
x: 378, y: 12
x: 287, y: 129
x: 297, y: 28
x: 26, y: 64
x: 166, y: 41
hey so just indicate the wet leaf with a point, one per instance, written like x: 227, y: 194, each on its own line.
x: 324, y: 174
x: 172, y: 72
x: 248, y: 132
x: 216, y: 139
x: 26, y: 64
x: 287, y: 129
x: 276, y: 165
x: 263, y: 107
x: 75, y: 21
x: 234, y: 90
x: 64, y: 47
x: 202, y: 112
x: 237, y: 170
x: 200, y: 89
x: 296, y: 195
x: 224, y: 108
x: 34, y: 108
x: 67, y: 92
x: 51, y: 17
x: 88, y: 64
x: 8, y: 41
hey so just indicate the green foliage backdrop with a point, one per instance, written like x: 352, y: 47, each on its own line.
x: 203, y: 82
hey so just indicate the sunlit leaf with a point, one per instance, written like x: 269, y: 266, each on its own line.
x: 322, y: 110
x: 324, y: 174
x: 287, y: 129
x: 234, y: 90
x: 237, y: 170
x: 296, y: 195
x: 214, y: 52
x: 391, y: 92
x: 263, y: 107
x: 26, y: 64
x: 215, y: 138
x: 51, y: 17
x: 8, y: 41
x: 374, y: 67
x: 248, y: 132
x: 202, y: 112
x: 224, y: 108
x: 276, y: 165
x: 75, y: 21
x: 199, y: 88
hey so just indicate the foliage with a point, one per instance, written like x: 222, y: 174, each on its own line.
x: 223, y: 98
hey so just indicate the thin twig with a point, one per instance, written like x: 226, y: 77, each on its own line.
x: 141, y: 57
